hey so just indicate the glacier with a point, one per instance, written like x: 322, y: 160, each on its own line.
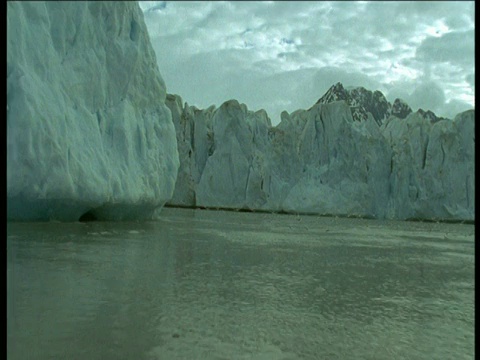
x: 88, y: 131
x: 335, y: 158
x: 93, y: 134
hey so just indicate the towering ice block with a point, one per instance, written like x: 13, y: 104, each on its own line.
x: 88, y: 131
x: 222, y: 154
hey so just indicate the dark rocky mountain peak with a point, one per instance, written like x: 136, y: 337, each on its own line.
x: 361, y: 102
x: 400, y: 109
x: 429, y: 115
x: 336, y: 93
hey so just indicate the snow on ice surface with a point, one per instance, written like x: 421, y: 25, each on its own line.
x: 87, y: 128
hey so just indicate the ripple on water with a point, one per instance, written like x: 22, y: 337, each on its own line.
x: 216, y: 285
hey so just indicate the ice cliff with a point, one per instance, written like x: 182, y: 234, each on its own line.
x: 352, y: 153
x: 88, y: 132
x: 433, y: 166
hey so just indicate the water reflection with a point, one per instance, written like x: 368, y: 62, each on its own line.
x: 214, y: 285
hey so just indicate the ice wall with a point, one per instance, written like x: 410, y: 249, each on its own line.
x: 433, y: 167
x: 325, y: 160
x: 87, y: 127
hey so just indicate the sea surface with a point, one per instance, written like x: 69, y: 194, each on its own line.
x: 201, y: 284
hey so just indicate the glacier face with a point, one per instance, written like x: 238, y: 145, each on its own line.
x: 433, y: 166
x: 87, y: 127
x: 329, y: 159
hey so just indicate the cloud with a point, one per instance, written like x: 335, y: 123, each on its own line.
x: 450, y: 47
x: 454, y: 107
x: 398, y: 92
x: 470, y: 79
x: 157, y: 7
x: 429, y: 93
x: 329, y: 75
x: 285, y: 55
x: 460, y: 21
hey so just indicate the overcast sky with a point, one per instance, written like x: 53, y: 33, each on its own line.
x: 284, y: 55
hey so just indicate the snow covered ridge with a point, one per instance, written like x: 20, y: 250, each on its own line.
x: 324, y: 161
x: 88, y: 133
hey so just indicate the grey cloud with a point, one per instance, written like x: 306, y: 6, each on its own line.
x: 280, y: 12
x: 327, y: 76
x: 398, y: 92
x: 429, y: 96
x: 470, y: 79
x: 157, y: 7
x: 211, y: 78
x: 176, y: 18
x: 452, y: 47
x: 393, y: 21
x: 430, y: 10
x: 297, y: 86
x: 454, y: 107
x: 403, y: 21
x: 209, y: 52
x: 459, y: 22
x: 293, y: 56
x: 219, y: 15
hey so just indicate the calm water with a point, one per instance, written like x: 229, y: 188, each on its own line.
x: 224, y: 285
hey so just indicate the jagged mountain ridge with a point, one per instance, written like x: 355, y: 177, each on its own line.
x: 363, y: 101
